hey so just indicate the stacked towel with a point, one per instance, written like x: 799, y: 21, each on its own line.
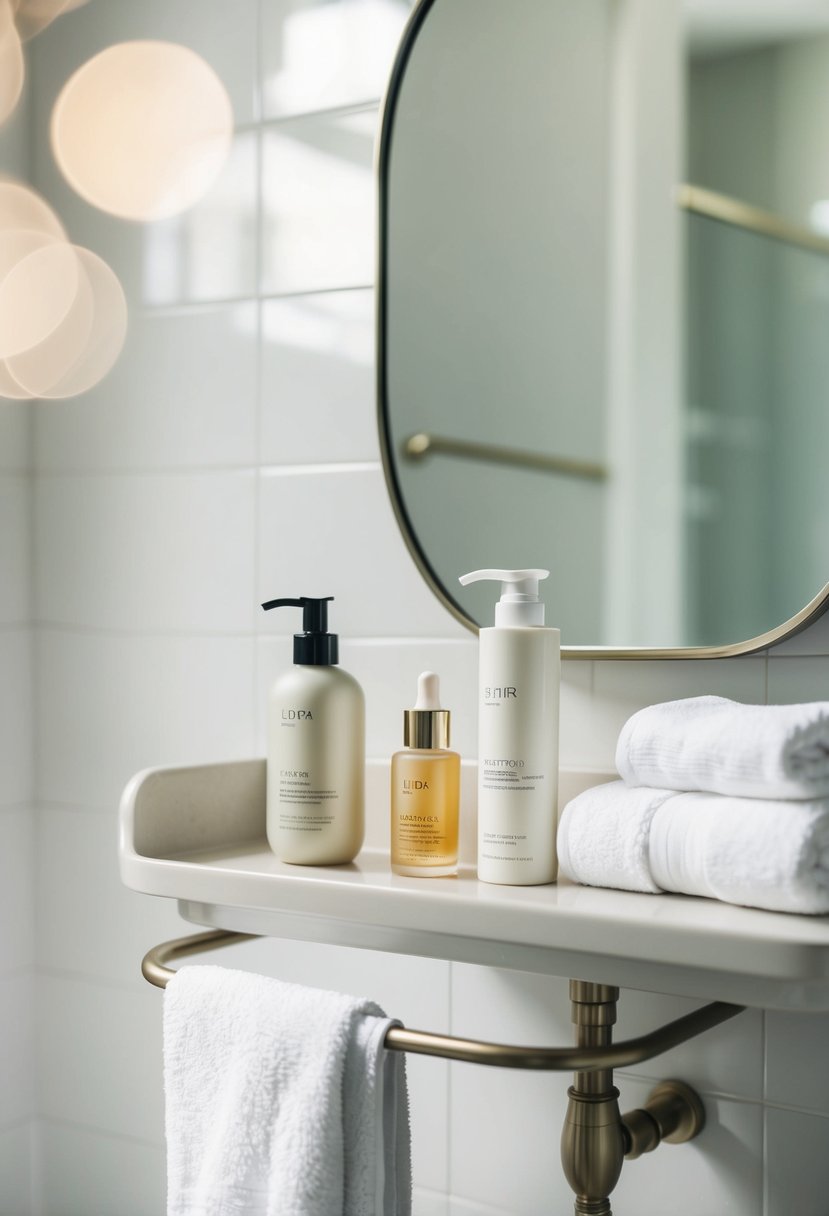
x: 743, y: 851
x: 280, y: 1101
x: 717, y: 799
x: 710, y: 743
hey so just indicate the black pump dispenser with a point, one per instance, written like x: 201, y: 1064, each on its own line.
x: 315, y: 646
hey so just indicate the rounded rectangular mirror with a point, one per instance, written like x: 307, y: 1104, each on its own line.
x: 603, y: 312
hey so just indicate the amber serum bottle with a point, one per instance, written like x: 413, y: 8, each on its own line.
x: 425, y: 790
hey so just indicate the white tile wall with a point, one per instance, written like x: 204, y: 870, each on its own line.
x: 16, y: 771
x: 729, y: 1060
x: 316, y: 56
x: 15, y: 716
x: 17, y: 841
x: 720, y: 1172
x: 231, y: 457
x: 14, y: 436
x: 17, y: 1096
x: 318, y: 202
x: 75, y: 879
x: 797, y: 1060
x: 149, y: 552
x: 16, y: 1169
x: 14, y: 549
x: 110, y: 705
x: 182, y: 395
x: 318, y: 379
x: 799, y: 679
x: 334, y: 531
x: 797, y: 1164
x: 99, y: 1055
x: 87, y: 1173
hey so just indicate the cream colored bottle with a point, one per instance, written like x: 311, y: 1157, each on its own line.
x: 316, y: 750
x: 425, y: 790
x: 518, y: 711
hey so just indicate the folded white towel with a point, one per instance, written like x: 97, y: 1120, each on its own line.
x: 280, y: 1101
x: 749, y: 851
x: 710, y: 743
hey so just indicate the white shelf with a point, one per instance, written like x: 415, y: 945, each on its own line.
x: 197, y: 835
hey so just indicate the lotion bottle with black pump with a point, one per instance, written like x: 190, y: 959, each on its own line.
x: 518, y: 706
x: 316, y: 749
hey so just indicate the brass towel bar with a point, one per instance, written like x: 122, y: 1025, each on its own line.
x: 739, y: 214
x: 596, y: 1138
x: 417, y: 447
x: 399, y: 1038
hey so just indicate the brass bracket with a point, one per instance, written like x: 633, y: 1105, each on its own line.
x: 597, y: 1139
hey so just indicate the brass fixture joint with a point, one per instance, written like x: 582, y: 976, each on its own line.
x: 596, y: 1138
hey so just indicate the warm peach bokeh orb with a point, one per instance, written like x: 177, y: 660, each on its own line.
x: 22, y: 208
x: 35, y: 296
x: 12, y: 67
x: 83, y: 348
x: 143, y: 129
x: 34, y: 15
x: 63, y: 315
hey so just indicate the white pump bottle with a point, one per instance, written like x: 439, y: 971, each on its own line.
x: 518, y: 709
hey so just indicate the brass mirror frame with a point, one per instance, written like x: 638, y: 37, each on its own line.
x: 814, y: 609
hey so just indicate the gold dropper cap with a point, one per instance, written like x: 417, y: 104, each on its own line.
x: 427, y: 725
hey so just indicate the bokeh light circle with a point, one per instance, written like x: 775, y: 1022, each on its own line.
x: 15, y: 245
x: 34, y: 15
x: 12, y: 66
x: 41, y: 367
x: 83, y: 348
x: 36, y: 296
x: 143, y: 129
x: 9, y: 386
x: 22, y: 208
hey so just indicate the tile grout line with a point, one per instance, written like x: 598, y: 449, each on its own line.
x: 359, y: 641
x: 94, y: 1130
x: 343, y: 110
x: 148, y: 311
x: 56, y: 473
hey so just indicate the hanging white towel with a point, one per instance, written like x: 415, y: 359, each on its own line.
x: 713, y: 744
x: 751, y: 851
x: 280, y: 1101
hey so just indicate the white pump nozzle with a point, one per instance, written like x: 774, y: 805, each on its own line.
x: 519, y: 603
x: 428, y: 691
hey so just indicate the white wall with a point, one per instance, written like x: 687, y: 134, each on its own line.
x: 16, y: 813
x: 230, y: 456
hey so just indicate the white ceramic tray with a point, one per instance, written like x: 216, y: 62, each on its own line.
x: 197, y: 835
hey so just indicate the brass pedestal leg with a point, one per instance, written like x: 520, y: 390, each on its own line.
x: 596, y: 1138
x: 592, y: 1142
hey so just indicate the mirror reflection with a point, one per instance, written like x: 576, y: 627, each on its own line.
x: 605, y: 306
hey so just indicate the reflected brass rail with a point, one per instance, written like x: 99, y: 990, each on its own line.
x: 418, y: 447
x: 449, y: 1047
x: 742, y: 215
